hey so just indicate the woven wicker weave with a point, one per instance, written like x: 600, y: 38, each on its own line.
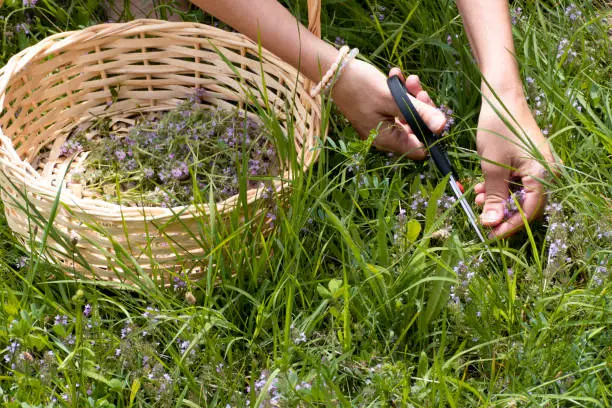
x: 68, y: 79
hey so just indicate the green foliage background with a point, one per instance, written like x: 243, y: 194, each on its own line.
x: 347, y: 302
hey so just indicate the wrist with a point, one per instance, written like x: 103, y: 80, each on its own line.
x: 510, y: 89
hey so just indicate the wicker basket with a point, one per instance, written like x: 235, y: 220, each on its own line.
x: 69, y: 79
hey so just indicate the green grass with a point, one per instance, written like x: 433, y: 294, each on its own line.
x: 346, y: 303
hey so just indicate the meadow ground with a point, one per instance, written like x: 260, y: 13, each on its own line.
x: 371, y: 289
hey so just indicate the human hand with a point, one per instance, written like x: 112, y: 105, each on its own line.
x: 507, y: 159
x: 363, y: 96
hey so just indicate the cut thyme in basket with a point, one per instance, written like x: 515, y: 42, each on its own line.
x: 164, y: 158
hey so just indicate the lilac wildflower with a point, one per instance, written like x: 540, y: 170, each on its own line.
x: 379, y: 13
x: 553, y: 208
x: 22, y: 27
x: 465, y: 273
x: 70, y: 147
x: 449, y: 39
x: 419, y: 202
x: 201, y: 94
x: 601, y: 272
x: 517, y: 14
x: 401, y: 217
x: 564, y: 48
x: 572, y: 12
x: 340, y: 41
x: 87, y: 310
x: 179, y: 283
x: 29, y: 3
x: 510, y: 207
x: 300, y: 338
x: 183, y: 346
x: 303, y: 386
x: 149, y: 313
x: 120, y: 155
x: 446, y: 202
x: 556, y: 247
x: 22, y: 262
x: 131, y: 165
x: 126, y: 331
x: 61, y: 320
x: 450, y: 121
x: 12, y: 350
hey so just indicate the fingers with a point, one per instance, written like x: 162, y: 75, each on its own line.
x: 532, y: 206
x: 433, y: 118
x: 413, y: 84
x: 479, y: 189
x: 399, y: 139
x: 496, y: 193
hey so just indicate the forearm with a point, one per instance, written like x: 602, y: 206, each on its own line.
x: 280, y: 32
x: 488, y: 26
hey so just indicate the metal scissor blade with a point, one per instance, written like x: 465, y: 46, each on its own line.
x: 470, y: 214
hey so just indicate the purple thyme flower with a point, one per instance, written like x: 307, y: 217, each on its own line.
x: 516, y: 15
x: 23, y: 27
x: 556, y: 247
x: 23, y: 261
x: 61, y: 320
x: 510, y: 207
x: 563, y: 48
x: 179, y: 283
x: 120, y: 154
x: 183, y: 346
x: 450, y: 121
x: 572, y: 12
x: 87, y: 310
x: 379, y: 13
x: 70, y: 147
x: 201, y: 94
x: 339, y: 41
x: 401, y: 217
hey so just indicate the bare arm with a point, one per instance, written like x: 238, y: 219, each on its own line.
x: 488, y: 27
x: 361, y: 92
x: 280, y: 32
x: 507, y: 157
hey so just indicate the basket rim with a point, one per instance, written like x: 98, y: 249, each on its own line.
x: 104, y: 209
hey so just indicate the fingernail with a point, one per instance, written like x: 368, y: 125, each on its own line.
x: 490, y: 216
x: 439, y: 122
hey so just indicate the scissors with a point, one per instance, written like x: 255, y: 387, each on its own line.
x: 436, y: 150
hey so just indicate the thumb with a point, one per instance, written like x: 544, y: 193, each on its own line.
x: 496, y: 193
x: 434, y: 119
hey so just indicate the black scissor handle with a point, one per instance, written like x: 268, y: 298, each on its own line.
x: 420, y: 129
